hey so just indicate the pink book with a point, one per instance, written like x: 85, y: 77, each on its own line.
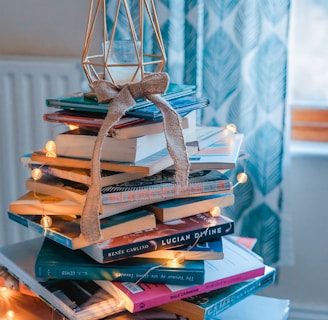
x: 239, y: 264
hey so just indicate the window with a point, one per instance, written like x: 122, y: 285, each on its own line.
x: 308, y: 70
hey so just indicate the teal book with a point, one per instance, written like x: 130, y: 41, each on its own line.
x: 180, y: 97
x: 209, y: 305
x: 55, y: 261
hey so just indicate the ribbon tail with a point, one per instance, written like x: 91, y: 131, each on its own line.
x: 174, y: 139
x: 90, y: 226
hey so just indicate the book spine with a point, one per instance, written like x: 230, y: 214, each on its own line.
x: 167, y: 242
x: 121, y: 274
x: 155, y: 301
x: 162, y: 192
x: 244, y: 292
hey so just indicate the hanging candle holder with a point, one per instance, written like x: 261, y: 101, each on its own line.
x: 117, y: 59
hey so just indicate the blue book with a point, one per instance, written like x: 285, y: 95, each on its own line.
x: 66, y: 229
x: 180, y: 97
x: 55, y: 261
x: 209, y: 305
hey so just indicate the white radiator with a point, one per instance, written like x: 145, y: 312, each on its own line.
x: 25, y: 83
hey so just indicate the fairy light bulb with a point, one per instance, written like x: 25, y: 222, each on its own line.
x: 178, y: 258
x: 231, y: 127
x: 242, y: 177
x: 215, y: 211
x: 50, y: 146
x: 46, y: 222
x: 36, y: 174
x: 10, y: 315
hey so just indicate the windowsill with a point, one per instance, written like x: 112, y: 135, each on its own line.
x: 306, y: 148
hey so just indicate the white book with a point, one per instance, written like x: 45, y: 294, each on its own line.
x: 76, y: 300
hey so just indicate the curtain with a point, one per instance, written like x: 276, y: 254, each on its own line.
x: 235, y: 51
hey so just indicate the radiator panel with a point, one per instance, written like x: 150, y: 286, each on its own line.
x: 25, y: 83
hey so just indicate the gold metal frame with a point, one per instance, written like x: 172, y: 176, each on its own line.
x: 96, y: 66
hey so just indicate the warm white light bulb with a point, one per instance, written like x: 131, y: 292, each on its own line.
x: 215, y: 211
x: 10, y: 315
x: 36, y: 174
x: 46, y: 222
x: 242, y: 177
x: 231, y: 127
x: 50, y: 146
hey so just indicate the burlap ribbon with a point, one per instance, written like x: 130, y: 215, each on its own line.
x: 121, y: 99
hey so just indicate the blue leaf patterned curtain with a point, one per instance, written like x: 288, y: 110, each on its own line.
x: 235, y: 51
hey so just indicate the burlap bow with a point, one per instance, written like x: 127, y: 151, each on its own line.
x: 121, y: 99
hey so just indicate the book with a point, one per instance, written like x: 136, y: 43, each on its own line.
x: 76, y: 300
x: 187, y: 231
x: 55, y: 261
x: 79, y: 143
x: 256, y: 307
x: 147, y: 166
x: 239, y: 264
x: 156, y: 187
x: 125, y: 128
x: 204, y: 250
x: 66, y: 229
x: 184, y: 207
x: 162, y: 185
x: 43, y: 204
x: 150, y: 314
x: 16, y: 305
x: 81, y: 175
x: 220, y: 155
x: 204, y: 136
x: 173, y: 91
x: 210, y: 305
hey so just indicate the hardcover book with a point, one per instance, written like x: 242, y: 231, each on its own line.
x: 239, y: 264
x: 209, y: 305
x: 79, y: 143
x: 187, y: 231
x: 66, y: 229
x: 204, y: 250
x: 55, y: 261
x: 76, y: 300
x: 185, y: 207
x: 156, y: 187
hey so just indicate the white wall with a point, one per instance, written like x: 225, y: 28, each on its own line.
x: 56, y: 28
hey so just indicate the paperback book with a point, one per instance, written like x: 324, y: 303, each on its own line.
x: 156, y: 187
x: 66, y: 229
x: 239, y: 264
x: 55, y: 261
x: 125, y: 128
x: 221, y: 155
x: 184, y: 207
x: 204, y: 250
x: 210, y: 305
x: 79, y: 143
x: 81, y: 175
x: 76, y: 300
x: 187, y: 231
x: 42, y: 204
x: 146, y: 167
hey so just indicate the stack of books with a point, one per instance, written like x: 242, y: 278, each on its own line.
x: 163, y: 249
